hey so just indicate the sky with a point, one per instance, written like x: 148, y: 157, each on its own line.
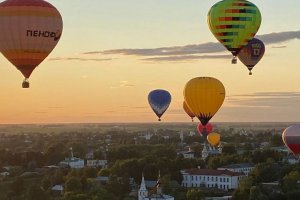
x: 113, y: 53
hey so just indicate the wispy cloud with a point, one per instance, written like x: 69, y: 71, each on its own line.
x: 123, y: 84
x: 181, y: 53
x: 184, y: 58
x: 205, y: 48
x: 79, y: 59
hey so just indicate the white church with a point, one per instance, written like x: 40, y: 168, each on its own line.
x: 144, y: 195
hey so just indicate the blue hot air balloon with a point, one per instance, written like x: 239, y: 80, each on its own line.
x: 159, y: 101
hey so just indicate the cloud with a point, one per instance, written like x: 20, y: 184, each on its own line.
x: 55, y: 107
x: 209, y: 47
x: 185, y: 58
x: 264, y: 100
x: 79, y: 59
x: 182, y: 53
x: 279, y: 47
x: 123, y: 84
x: 276, y: 38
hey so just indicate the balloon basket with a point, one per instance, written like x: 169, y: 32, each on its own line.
x: 250, y: 73
x: 234, y: 60
x: 25, y: 84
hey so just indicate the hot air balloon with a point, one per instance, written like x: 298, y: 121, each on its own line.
x: 234, y: 23
x: 159, y: 101
x: 187, y: 110
x: 291, y: 138
x: 30, y: 29
x: 214, y: 139
x: 204, y: 130
x: 251, y: 54
x: 204, y: 96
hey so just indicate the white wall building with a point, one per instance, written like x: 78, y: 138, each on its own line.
x: 96, y: 163
x: 210, y: 178
x: 209, y: 151
x: 245, y: 168
x: 143, y: 192
x: 72, y: 161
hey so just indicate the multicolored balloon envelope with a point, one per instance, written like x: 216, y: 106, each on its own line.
x: 214, y: 139
x: 291, y: 138
x: 204, y: 96
x: 251, y: 54
x: 30, y: 29
x: 234, y: 23
x: 159, y: 101
x: 188, y: 111
x: 204, y: 130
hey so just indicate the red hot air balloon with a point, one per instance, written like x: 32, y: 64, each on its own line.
x: 251, y: 54
x: 30, y: 29
x: 188, y: 111
x: 291, y: 138
x: 204, y: 130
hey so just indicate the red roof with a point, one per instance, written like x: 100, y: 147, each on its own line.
x: 40, y: 3
x: 212, y: 172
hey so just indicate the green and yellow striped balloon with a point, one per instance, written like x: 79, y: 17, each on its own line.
x: 234, y: 23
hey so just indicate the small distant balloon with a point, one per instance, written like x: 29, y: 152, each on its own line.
x: 291, y: 138
x: 159, y: 101
x: 188, y: 111
x: 204, y: 130
x: 214, y: 139
x: 251, y: 54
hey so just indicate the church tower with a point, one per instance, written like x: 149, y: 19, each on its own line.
x: 143, y: 192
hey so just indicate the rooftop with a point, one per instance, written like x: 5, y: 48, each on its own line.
x: 240, y: 165
x: 211, y: 172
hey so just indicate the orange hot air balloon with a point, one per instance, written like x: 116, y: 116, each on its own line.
x: 214, y: 139
x: 188, y: 111
x: 30, y: 29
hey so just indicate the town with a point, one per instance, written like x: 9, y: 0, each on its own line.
x: 146, y: 161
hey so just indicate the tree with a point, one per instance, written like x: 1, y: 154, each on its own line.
x: 73, y: 185
x: 46, y: 183
x: 17, y: 186
x: 194, y: 195
x: 35, y: 192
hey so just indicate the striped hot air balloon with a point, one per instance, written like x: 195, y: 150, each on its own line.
x: 30, y: 29
x: 234, y: 23
x: 291, y: 138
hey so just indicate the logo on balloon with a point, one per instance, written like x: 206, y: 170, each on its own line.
x: 46, y: 34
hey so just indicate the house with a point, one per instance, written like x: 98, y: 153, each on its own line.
x: 211, y: 178
x: 291, y: 159
x: 144, y: 195
x: 58, y: 189
x: 96, y: 163
x: 72, y: 161
x: 210, y: 151
x: 187, y: 154
x: 245, y: 168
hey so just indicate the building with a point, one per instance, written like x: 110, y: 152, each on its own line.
x: 210, y: 178
x: 143, y: 192
x: 210, y: 151
x: 245, y: 168
x: 187, y: 154
x: 96, y: 163
x: 72, y: 161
